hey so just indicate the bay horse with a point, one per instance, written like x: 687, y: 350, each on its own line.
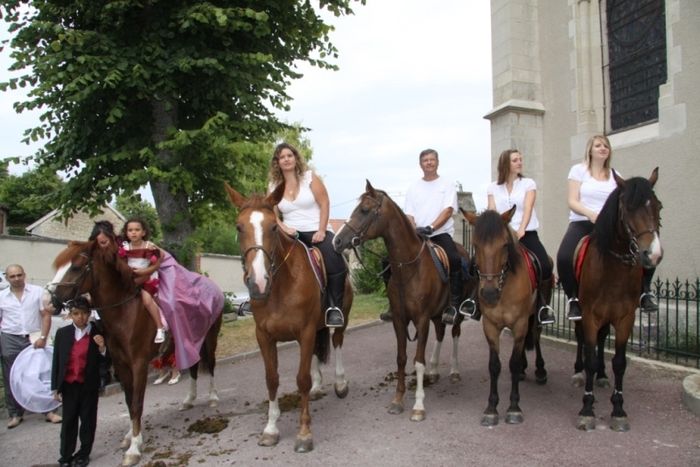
x: 416, y: 291
x: 286, y: 302
x: 625, y: 240
x: 84, y: 267
x: 507, y: 298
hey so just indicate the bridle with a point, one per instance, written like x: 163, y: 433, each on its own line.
x: 367, y: 221
x: 76, y: 285
x: 274, y: 267
x: 631, y: 257
x: 490, y: 277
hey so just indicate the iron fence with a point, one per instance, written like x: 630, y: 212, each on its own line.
x: 671, y: 335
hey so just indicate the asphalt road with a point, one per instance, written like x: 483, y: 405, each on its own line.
x: 359, y: 431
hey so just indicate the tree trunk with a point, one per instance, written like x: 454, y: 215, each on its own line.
x: 173, y: 209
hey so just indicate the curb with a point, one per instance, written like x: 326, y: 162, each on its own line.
x: 691, y: 393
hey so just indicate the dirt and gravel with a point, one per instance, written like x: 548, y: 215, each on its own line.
x: 359, y: 431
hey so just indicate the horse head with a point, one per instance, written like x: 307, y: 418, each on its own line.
x: 365, y: 222
x: 495, y: 251
x: 258, y: 238
x: 629, y: 223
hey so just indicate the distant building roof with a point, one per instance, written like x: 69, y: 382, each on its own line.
x: 77, y: 227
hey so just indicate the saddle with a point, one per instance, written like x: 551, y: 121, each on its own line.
x: 442, y: 264
x: 580, y: 255
x: 534, y: 268
x: 315, y: 258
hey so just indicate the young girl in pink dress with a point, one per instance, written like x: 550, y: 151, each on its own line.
x: 145, y: 258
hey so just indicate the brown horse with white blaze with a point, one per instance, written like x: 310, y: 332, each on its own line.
x: 286, y: 301
x: 84, y: 267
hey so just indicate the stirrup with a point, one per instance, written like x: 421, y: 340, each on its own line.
x: 449, y: 315
x: 574, y: 317
x: 468, y: 307
x: 335, y: 323
x: 651, y: 297
x: 549, y: 317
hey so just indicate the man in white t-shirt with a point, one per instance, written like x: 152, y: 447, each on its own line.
x: 430, y: 203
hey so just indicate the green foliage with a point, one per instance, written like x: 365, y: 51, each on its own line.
x: 167, y: 92
x: 367, y: 279
x: 28, y: 196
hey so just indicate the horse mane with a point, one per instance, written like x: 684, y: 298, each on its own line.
x: 490, y: 225
x: 635, y: 193
x: 397, y: 208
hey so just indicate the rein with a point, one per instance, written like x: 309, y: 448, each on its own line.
x: 631, y: 257
x: 274, y: 268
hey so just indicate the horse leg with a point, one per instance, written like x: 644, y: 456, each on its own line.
x: 602, y: 380
x: 341, y: 383
x: 579, y: 378
x: 271, y: 434
x: 316, y: 378
x: 433, y: 374
x: 490, y: 417
x: 418, y: 413
x: 455, y: 377
x: 514, y: 414
x: 540, y: 372
x: 137, y: 389
x: 586, y: 419
x: 618, y: 417
x: 304, y: 441
x: 396, y: 406
x: 191, y: 396
x: 208, y: 354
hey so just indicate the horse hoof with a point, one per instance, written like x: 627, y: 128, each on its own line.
x: 126, y: 442
x: 315, y: 395
x: 513, y: 418
x: 602, y: 383
x: 304, y: 445
x: 586, y: 423
x: 342, y: 390
x: 185, y: 406
x: 619, y: 424
x: 455, y: 378
x: 213, y: 404
x: 395, y: 408
x: 541, y: 380
x: 418, y: 416
x: 131, y: 459
x: 432, y: 378
x: 578, y: 380
x: 269, y: 439
x: 489, y: 420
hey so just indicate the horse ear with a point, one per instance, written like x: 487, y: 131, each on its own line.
x: 469, y: 216
x: 275, y: 197
x: 619, y: 180
x: 654, y: 177
x: 369, y: 188
x: 236, y: 198
x: 508, y: 215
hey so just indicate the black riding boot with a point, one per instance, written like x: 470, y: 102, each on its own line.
x: 545, y: 313
x: 456, y: 287
x: 647, y: 301
x: 335, y: 290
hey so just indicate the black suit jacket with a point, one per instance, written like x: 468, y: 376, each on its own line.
x: 63, y: 343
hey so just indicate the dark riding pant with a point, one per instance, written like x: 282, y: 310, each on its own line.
x: 532, y: 242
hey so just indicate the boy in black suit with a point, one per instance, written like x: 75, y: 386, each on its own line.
x: 75, y: 380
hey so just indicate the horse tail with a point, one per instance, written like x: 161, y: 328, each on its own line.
x: 322, y: 347
x: 531, y: 333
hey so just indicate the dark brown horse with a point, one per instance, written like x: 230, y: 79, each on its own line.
x: 84, y: 267
x: 286, y: 301
x: 625, y: 240
x: 416, y: 291
x: 507, y: 299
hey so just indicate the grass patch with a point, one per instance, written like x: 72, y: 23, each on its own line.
x: 239, y: 336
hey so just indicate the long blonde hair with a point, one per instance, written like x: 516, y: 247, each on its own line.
x: 274, y: 175
x: 589, y: 147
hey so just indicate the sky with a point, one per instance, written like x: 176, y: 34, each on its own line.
x: 414, y: 74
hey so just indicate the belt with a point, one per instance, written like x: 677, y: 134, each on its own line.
x: 25, y: 336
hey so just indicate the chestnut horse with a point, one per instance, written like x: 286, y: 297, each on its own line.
x: 286, y: 301
x: 84, y: 267
x: 508, y: 300
x: 625, y: 240
x: 416, y: 291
